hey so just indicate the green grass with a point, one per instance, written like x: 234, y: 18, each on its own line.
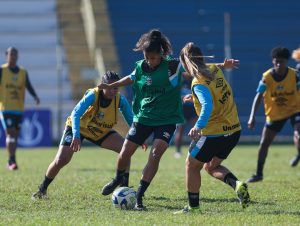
x: 75, y: 199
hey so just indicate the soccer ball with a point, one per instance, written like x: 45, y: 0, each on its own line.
x: 124, y: 198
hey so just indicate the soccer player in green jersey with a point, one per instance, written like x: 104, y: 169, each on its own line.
x: 157, y: 107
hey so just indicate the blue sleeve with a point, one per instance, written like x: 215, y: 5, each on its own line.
x: 79, y: 110
x: 126, y: 110
x: 262, y: 87
x: 205, y: 99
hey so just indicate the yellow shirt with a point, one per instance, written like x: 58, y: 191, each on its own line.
x: 96, y: 122
x: 224, y: 116
x: 281, y: 99
x: 12, y: 89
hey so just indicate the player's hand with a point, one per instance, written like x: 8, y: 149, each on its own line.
x: 187, y: 98
x: 195, y: 133
x: 37, y: 100
x: 145, y: 147
x: 231, y: 63
x: 251, y: 122
x: 103, y: 86
x: 76, y: 144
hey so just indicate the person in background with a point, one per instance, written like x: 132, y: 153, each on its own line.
x: 217, y: 130
x: 190, y: 118
x: 14, y: 80
x: 93, y: 118
x: 279, y: 89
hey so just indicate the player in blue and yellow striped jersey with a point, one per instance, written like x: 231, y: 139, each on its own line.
x: 217, y: 130
x: 14, y: 80
x: 279, y: 88
x: 93, y: 119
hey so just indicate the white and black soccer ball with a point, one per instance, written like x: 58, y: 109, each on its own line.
x: 124, y: 198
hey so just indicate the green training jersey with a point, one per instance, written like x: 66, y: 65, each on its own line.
x: 157, y: 99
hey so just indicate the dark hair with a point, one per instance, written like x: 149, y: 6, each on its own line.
x: 110, y: 77
x: 11, y: 49
x: 154, y: 41
x: 280, y: 52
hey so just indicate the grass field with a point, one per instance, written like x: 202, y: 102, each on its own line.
x: 75, y: 199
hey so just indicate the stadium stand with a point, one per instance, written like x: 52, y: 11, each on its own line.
x: 31, y: 26
x: 254, y: 32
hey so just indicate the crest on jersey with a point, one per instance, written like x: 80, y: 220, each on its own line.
x: 280, y: 87
x: 100, y: 115
x: 148, y: 80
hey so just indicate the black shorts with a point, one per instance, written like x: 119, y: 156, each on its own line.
x: 10, y: 120
x: 208, y: 147
x: 67, y: 137
x: 278, y: 125
x: 138, y: 133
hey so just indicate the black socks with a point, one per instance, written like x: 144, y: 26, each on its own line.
x: 141, y: 190
x: 45, y: 184
x: 230, y: 179
x: 193, y: 199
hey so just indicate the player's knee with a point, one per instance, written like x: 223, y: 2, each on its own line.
x: 296, y: 135
x: 10, y: 139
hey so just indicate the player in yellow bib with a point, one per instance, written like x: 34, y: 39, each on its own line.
x: 93, y: 119
x: 217, y: 130
x: 279, y: 88
x: 14, y: 81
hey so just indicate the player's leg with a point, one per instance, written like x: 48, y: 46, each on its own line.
x: 268, y: 134
x: 114, y: 141
x: 178, y: 140
x: 162, y: 138
x: 11, y: 147
x: 136, y: 136
x: 11, y: 124
x: 62, y: 158
x: 295, y: 120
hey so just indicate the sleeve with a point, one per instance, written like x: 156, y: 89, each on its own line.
x: 262, y: 87
x: 132, y: 75
x: 205, y: 99
x: 79, y: 110
x: 126, y: 110
x: 29, y: 86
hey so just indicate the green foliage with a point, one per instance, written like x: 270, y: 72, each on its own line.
x: 75, y: 199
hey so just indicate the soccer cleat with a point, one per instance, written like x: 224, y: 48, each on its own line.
x: 188, y: 209
x: 241, y: 190
x: 177, y: 155
x: 255, y: 178
x: 12, y: 166
x: 39, y: 195
x: 140, y: 207
x: 294, y: 162
x: 110, y: 187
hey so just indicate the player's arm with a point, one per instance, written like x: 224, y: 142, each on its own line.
x: 76, y: 114
x: 229, y: 64
x: 125, y: 81
x: 126, y: 110
x: 31, y: 90
x: 204, y: 96
x: 256, y: 103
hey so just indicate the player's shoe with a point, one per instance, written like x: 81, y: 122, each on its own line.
x: 294, y: 162
x: 177, y: 155
x: 140, y: 207
x: 255, y: 178
x: 241, y: 190
x: 39, y: 195
x: 188, y: 209
x: 12, y: 166
x: 110, y: 187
